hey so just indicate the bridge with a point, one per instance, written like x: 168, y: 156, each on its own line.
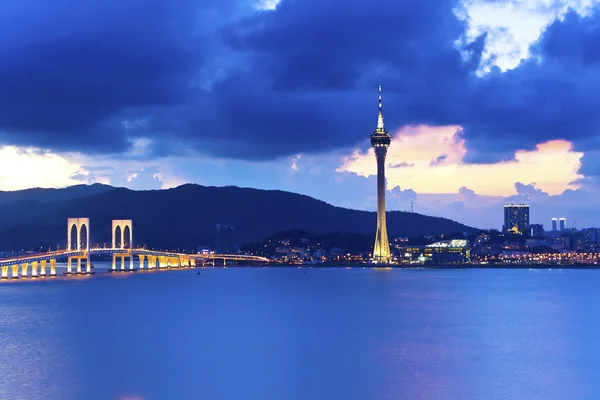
x: 78, y: 251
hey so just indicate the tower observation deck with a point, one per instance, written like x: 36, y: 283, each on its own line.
x: 380, y: 140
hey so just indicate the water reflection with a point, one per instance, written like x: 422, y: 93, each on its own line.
x: 302, y: 334
x: 35, y: 359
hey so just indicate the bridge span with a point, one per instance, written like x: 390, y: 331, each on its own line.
x: 78, y: 250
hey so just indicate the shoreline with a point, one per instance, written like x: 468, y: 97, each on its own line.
x: 416, y: 266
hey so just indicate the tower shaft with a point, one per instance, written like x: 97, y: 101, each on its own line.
x: 380, y: 140
x: 381, y: 249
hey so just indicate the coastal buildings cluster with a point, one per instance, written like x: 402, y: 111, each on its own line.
x: 518, y: 243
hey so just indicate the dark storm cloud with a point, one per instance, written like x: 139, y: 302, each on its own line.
x: 68, y: 69
x: 221, y: 78
x: 210, y: 76
x: 309, y: 77
x: 553, y: 98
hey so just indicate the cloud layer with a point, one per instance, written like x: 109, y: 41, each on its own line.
x: 106, y: 90
x: 228, y: 79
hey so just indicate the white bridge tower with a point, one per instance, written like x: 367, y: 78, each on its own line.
x: 122, y: 239
x: 78, y: 240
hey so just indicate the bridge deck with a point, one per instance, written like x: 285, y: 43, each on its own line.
x: 61, y: 254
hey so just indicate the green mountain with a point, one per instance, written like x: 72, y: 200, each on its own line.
x: 186, y: 217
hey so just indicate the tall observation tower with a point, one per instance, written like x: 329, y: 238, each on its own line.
x: 380, y: 140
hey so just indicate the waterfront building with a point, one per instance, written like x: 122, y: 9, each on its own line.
x: 554, y: 225
x: 537, y: 230
x: 410, y: 254
x: 516, y: 219
x: 574, y: 241
x: 380, y: 140
x: 447, y: 252
x: 591, y: 238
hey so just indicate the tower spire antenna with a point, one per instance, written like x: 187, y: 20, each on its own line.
x: 380, y: 113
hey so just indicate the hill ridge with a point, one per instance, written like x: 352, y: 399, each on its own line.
x: 186, y: 216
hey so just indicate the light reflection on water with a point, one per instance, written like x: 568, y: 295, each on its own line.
x: 302, y: 334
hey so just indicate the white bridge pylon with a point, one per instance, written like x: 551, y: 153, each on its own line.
x: 78, y: 238
x: 122, y: 229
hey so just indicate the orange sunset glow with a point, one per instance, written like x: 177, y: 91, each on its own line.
x: 430, y: 160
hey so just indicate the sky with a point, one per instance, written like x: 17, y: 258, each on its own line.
x: 488, y: 101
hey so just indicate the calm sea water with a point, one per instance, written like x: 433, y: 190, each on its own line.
x: 290, y: 333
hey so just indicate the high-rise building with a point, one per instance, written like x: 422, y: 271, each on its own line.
x: 591, y: 238
x: 225, y: 239
x: 380, y: 140
x: 516, y: 219
x: 554, y: 223
x: 562, y: 222
x: 537, y: 230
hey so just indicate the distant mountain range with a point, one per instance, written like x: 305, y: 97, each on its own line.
x: 54, y: 195
x: 185, y: 217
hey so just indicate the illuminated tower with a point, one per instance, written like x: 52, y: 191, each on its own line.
x: 380, y: 140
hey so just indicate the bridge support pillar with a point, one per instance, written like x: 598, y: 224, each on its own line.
x: 131, y: 261
x: 88, y: 263
x: 78, y: 265
x: 34, y: 272
x: 142, y: 258
x: 69, y: 267
x: 15, y: 271
x: 5, y: 272
x: 43, y: 268
x: 24, y: 270
x: 53, y: 267
x: 122, y: 263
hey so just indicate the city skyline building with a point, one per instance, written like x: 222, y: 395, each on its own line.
x: 554, y: 224
x: 562, y: 222
x: 537, y: 230
x: 516, y: 219
x: 380, y: 140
